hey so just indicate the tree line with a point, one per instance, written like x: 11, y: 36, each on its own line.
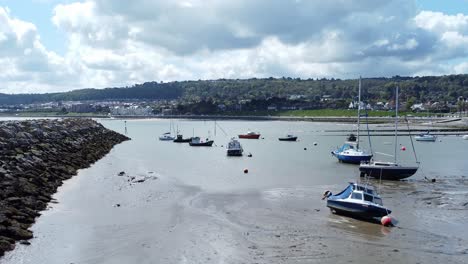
x: 413, y: 89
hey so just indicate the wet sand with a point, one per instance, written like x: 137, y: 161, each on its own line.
x: 160, y: 221
x: 150, y: 216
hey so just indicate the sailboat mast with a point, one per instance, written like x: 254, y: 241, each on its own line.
x: 359, y: 113
x: 396, y: 124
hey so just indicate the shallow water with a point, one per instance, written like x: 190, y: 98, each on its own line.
x: 197, y: 206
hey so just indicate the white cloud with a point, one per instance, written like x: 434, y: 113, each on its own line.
x: 112, y: 44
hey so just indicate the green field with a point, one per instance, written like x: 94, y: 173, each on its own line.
x: 340, y: 113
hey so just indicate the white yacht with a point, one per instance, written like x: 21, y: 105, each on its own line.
x: 234, y: 148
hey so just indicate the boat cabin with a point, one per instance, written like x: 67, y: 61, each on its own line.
x: 360, y: 193
x: 366, y: 193
x: 346, y: 147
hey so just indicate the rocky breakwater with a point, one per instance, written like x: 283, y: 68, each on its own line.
x: 36, y: 156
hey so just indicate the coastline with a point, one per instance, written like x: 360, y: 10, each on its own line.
x: 435, y: 121
x: 36, y: 156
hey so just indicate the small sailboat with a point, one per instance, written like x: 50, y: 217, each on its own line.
x: 197, y: 142
x: 357, y: 201
x: 350, y: 152
x: 389, y: 170
x: 426, y: 137
x: 288, y: 137
x: 250, y: 135
x: 166, y: 137
x: 234, y: 148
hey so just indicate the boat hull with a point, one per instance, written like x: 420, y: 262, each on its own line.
x: 288, y: 139
x: 203, y: 144
x: 426, y: 139
x: 234, y: 152
x: 387, y: 173
x: 255, y: 136
x: 184, y: 140
x: 166, y: 139
x: 352, y: 159
x: 359, y: 211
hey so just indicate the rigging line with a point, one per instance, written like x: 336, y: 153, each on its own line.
x: 411, y: 139
x: 221, y: 129
x: 368, y: 134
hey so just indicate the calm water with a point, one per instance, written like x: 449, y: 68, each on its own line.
x: 197, y: 205
x: 275, y: 163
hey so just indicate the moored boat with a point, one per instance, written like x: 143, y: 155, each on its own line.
x: 166, y: 137
x: 357, y: 201
x: 180, y: 139
x: 197, y: 142
x: 349, y: 153
x: 234, y: 148
x: 351, y: 138
x: 250, y: 135
x: 288, y: 138
x: 390, y: 170
x: 387, y: 170
x: 426, y: 137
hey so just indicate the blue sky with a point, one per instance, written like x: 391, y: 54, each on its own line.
x: 39, y: 13
x: 451, y: 7
x: 98, y: 43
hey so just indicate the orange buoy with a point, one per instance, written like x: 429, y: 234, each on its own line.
x: 386, y: 221
x: 403, y: 148
x: 246, y: 170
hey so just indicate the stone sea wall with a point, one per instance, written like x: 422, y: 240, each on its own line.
x: 36, y: 156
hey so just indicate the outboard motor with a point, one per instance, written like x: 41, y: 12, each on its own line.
x: 326, y: 194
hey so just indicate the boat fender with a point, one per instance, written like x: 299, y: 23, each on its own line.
x: 386, y: 221
x: 403, y: 148
x: 246, y: 170
x: 326, y: 194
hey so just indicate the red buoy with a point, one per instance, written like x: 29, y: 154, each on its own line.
x: 246, y: 170
x: 386, y: 221
x: 403, y: 148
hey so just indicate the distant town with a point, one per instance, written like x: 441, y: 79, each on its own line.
x: 268, y: 96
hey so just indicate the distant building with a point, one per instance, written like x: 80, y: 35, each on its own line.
x: 418, y: 107
x: 288, y: 108
x: 296, y: 96
x: 326, y: 97
x: 133, y: 110
x: 81, y: 108
x: 222, y: 107
x: 272, y: 108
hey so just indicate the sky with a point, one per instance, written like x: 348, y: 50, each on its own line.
x: 61, y: 45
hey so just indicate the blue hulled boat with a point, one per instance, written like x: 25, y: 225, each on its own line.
x: 357, y: 201
x: 349, y: 153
